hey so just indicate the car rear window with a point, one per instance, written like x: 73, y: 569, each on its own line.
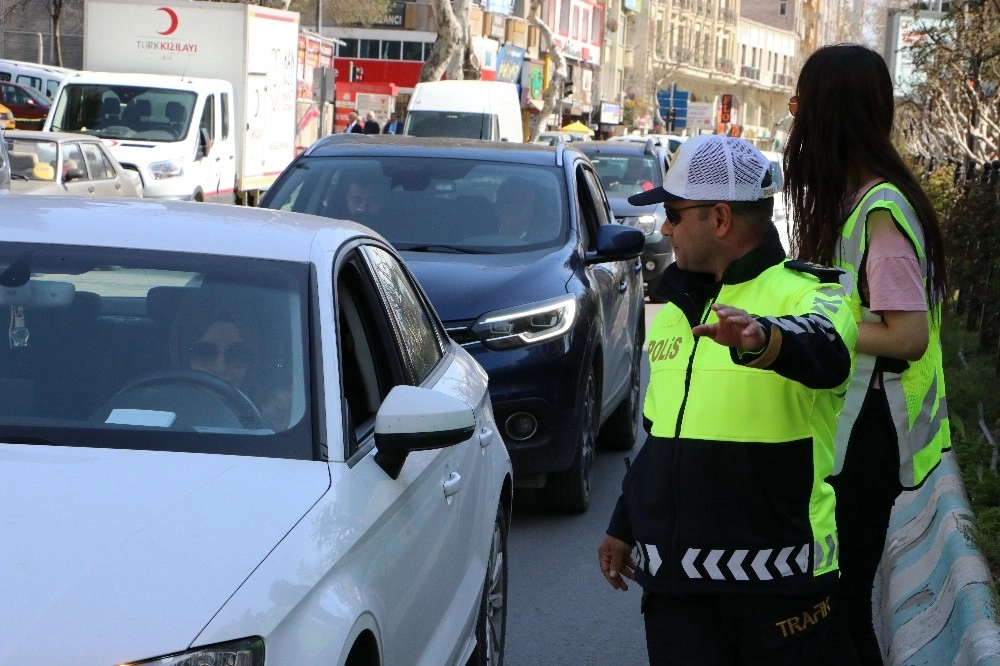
x: 433, y: 203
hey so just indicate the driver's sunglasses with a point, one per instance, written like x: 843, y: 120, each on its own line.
x: 237, y: 355
x: 674, y: 214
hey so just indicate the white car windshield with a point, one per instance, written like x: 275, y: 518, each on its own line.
x: 154, y: 350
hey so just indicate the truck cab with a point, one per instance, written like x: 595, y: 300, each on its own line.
x: 176, y: 132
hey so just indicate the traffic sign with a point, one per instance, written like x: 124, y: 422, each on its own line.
x: 673, y: 103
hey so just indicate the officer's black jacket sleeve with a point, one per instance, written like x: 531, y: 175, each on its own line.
x: 813, y: 348
x: 620, y: 527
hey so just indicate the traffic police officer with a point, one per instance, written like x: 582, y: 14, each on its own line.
x: 726, y: 504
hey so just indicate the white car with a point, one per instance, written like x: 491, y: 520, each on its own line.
x: 237, y: 436
x: 782, y: 221
x: 4, y: 166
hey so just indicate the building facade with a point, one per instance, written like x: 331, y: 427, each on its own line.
x: 665, y: 66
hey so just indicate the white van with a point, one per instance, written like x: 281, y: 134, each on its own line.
x: 45, y: 78
x: 177, y: 132
x: 472, y: 109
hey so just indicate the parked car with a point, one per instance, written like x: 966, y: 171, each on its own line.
x: 44, y: 78
x: 521, y: 257
x: 67, y: 164
x: 252, y: 427
x: 552, y: 137
x: 669, y: 141
x: 626, y: 168
x: 6, y: 118
x: 28, y: 105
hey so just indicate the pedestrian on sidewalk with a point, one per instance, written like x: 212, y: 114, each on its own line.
x: 858, y: 206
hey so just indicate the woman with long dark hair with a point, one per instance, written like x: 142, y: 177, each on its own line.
x: 857, y: 206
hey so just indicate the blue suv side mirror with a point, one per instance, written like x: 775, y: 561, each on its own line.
x: 616, y: 242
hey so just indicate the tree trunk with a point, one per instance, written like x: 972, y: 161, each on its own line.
x: 551, y: 95
x: 456, y: 64
x: 449, y: 38
x: 471, y: 68
x: 55, y: 9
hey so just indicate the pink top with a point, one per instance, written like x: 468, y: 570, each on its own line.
x: 893, y: 272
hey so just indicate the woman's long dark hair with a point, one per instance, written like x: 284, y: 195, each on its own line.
x: 844, y: 121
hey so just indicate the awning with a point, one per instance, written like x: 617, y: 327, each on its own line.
x: 577, y: 126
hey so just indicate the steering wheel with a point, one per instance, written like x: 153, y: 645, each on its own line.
x: 236, y: 400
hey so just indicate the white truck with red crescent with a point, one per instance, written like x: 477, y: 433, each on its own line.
x: 198, y: 97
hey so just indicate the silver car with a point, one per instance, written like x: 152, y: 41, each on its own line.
x: 68, y: 164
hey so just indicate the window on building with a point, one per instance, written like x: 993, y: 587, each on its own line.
x: 596, y: 27
x: 391, y: 50
x: 743, y: 55
x: 575, y: 23
x: 585, y: 25
x: 564, y: 7
x: 413, y: 51
x: 349, y: 49
x: 782, y: 8
x: 369, y: 48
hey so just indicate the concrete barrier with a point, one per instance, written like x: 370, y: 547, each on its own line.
x: 931, y: 591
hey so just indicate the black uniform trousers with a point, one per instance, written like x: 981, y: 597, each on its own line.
x: 866, y: 490
x: 737, y: 630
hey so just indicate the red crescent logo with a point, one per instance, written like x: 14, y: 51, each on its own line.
x: 173, y: 20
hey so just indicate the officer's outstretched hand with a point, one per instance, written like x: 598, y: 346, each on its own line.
x: 616, y: 562
x: 736, y: 328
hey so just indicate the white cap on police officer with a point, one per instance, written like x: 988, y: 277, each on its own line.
x: 713, y: 167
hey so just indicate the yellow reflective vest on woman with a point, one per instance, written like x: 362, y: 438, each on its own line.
x: 915, y: 391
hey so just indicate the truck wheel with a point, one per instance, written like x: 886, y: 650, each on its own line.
x: 569, y: 490
x: 622, y: 427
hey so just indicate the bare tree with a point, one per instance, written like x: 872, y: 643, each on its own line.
x: 952, y: 111
x: 559, y: 76
x: 450, y: 36
x: 55, y: 12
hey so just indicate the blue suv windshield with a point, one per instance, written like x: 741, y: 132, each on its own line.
x: 435, y: 204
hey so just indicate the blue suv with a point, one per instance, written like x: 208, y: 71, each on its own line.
x: 517, y: 248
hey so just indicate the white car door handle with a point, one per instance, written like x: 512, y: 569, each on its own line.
x: 452, y: 484
x: 485, y: 437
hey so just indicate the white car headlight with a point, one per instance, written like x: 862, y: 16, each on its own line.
x: 526, y: 324
x: 644, y: 223
x: 246, y: 652
x: 167, y: 169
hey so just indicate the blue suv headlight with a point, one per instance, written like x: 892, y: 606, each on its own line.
x: 526, y: 324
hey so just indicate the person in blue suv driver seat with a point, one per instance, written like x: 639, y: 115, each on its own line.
x: 726, y: 507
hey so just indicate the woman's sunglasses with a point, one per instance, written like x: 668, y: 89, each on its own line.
x: 237, y: 355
